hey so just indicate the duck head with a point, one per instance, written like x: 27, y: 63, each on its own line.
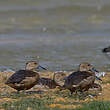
x: 33, y: 65
x: 85, y: 66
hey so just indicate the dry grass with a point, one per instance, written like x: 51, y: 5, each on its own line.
x: 51, y: 99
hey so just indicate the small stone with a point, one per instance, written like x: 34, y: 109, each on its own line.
x: 100, y: 93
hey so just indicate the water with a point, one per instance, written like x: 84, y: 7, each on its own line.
x: 59, y: 33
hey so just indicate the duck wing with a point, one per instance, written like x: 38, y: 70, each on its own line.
x: 77, y: 77
x: 20, y: 75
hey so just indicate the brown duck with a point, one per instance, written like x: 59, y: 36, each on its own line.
x: 58, y: 80
x: 25, y: 79
x: 47, y: 82
x: 81, y: 80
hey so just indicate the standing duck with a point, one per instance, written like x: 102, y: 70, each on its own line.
x: 81, y: 80
x: 25, y: 79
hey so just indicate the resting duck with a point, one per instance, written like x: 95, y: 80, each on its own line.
x: 59, y: 78
x: 25, y: 79
x: 47, y: 82
x: 81, y: 80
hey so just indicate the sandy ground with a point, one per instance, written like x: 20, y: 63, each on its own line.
x: 4, y: 89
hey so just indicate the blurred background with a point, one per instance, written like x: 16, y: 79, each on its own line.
x: 59, y: 33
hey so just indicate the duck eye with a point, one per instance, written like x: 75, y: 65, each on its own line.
x: 35, y: 63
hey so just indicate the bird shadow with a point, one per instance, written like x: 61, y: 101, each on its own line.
x: 34, y: 92
x: 20, y: 94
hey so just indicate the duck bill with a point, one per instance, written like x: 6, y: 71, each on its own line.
x: 94, y: 70
x: 97, y: 78
x: 40, y: 67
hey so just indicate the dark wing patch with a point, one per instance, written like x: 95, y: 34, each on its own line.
x: 19, y: 76
x: 77, y: 77
x: 47, y: 82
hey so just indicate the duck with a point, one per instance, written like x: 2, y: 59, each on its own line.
x: 25, y: 79
x: 81, y: 80
x: 59, y: 78
x: 56, y: 81
x: 52, y: 83
x: 48, y: 82
x: 106, y: 50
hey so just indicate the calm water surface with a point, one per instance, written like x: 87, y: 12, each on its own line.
x: 60, y: 33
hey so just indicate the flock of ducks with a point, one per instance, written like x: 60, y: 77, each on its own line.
x: 81, y: 80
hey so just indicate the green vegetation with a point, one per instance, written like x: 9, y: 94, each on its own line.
x: 31, y: 102
x: 96, y: 106
x: 34, y: 103
x: 39, y: 104
x: 106, y: 82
